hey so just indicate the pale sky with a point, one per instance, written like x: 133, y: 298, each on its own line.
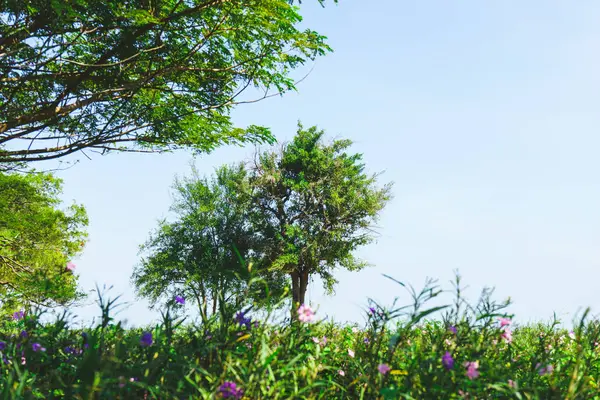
x: 484, y: 114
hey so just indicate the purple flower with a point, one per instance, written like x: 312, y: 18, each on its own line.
x: 452, y: 329
x: 37, y: 347
x: 24, y: 334
x: 366, y: 340
x: 229, y: 390
x: 2, y: 346
x: 19, y: 315
x: 241, y: 319
x: 545, y: 370
x: 372, y: 310
x: 146, y: 339
x: 383, y: 369
x: 447, y: 360
x: 179, y: 300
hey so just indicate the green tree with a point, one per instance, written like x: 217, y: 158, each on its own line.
x: 37, y: 240
x: 203, y: 253
x: 140, y: 75
x: 314, y: 204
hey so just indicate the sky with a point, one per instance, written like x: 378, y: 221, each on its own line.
x: 483, y: 114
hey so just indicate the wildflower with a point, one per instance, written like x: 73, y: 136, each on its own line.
x: 383, y: 369
x: 355, y: 330
x: 366, y: 340
x: 146, y: 339
x: 372, y: 310
x: 504, y: 322
x: 18, y: 315
x: 133, y: 379
x: 545, y: 370
x: 448, y: 342
x: 323, y: 341
x: 24, y: 334
x: 2, y: 346
x: 305, y: 313
x: 351, y: 353
x: 315, y: 339
x: 507, y: 335
x: 241, y: 319
x: 37, y: 347
x: 512, y: 384
x: 452, y: 329
x: 572, y: 335
x: 230, y: 390
x: 70, y: 266
x: 179, y: 300
x: 23, y: 361
x: 341, y: 373
x: 447, y: 360
x: 472, y: 367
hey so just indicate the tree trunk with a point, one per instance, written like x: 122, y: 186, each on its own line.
x: 295, y: 293
x: 299, y: 286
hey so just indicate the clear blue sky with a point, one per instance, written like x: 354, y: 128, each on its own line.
x: 484, y: 114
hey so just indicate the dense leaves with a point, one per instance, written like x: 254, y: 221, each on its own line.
x: 206, y: 248
x: 37, y: 240
x: 143, y: 75
x: 314, y: 205
x: 294, y: 213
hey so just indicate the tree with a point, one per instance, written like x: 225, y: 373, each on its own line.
x: 202, y: 253
x: 314, y: 204
x: 140, y: 75
x: 37, y: 240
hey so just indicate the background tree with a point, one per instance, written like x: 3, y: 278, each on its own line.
x: 37, y: 240
x: 140, y: 75
x: 202, y: 254
x: 314, y: 204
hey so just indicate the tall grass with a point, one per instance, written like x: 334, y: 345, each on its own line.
x: 402, y: 352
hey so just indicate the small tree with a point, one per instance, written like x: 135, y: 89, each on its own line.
x: 314, y: 204
x: 37, y: 240
x: 203, y: 252
x: 140, y: 75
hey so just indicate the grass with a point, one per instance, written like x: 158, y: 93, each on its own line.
x: 400, y: 353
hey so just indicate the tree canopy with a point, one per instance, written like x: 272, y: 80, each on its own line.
x: 37, y: 240
x: 140, y: 75
x: 314, y: 206
x: 297, y: 212
x: 204, y: 251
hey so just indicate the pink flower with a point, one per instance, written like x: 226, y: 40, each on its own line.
x: 315, y: 339
x: 341, y: 373
x: 305, y: 313
x: 512, y: 384
x: 70, y: 266
x: 472, y: 366
x: 383, y: 369
x: 507, y: 335
x: 572, y: 335
x: 351, y: 353
x: 504, y: 322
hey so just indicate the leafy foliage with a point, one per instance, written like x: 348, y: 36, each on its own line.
x: 296, y: 213
x: 37, y: 239
x: 140, y: 75
x: 398, y: 354
x: 314, y: 205
x: 202, y: 252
